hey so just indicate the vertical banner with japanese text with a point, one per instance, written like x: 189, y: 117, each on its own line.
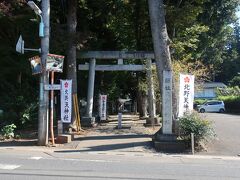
x: 103, y: 107
x: 167, y: 103
x: 186, y: 94
x: 66, y: 101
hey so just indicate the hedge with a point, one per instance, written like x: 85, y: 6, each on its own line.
x: 232, y: 103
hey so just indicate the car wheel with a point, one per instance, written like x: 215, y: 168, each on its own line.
x: 202, y: 110
x: 221, y: 110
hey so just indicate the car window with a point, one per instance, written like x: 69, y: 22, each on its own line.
x: 211, y: 103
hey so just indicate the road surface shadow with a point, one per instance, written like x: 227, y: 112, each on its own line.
x: 147, y: 145
x: 107, y: 137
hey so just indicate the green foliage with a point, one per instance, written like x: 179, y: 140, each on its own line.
x: 232, y: 103
x: 18, y: 88
x: 8, y: 131
x: 19, y: 109
x: 187, y: 42
x: 217, y: 15
x: 193, y: 123
x: 200, y: 30
x: 200, y: 101
x: 29, y: 115
x: 229, y: 91
x: 231, y: 63
x: 231, y: 98
x: 235, y: 81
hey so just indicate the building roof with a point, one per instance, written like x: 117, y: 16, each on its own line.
x: 212, y: 85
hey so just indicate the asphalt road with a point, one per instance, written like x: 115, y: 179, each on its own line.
x: 28, y: 165
x: 227, y: 128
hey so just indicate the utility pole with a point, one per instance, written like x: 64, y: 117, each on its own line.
x: 43, y: 113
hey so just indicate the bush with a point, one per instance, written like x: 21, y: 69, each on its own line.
x: 200, y: 101
x: 232, y: 103
x: 229, y: 91
x: 8, y: 131
x: 231, y: 98
x: 193, y: 123
x: 235, y: 81
x: 29, y: 116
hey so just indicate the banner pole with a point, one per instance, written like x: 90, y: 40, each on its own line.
x: 51, y: 118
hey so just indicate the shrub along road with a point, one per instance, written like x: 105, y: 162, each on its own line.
x: 227, y: 129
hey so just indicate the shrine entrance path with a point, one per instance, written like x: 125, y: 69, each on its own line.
x: 106, y: 137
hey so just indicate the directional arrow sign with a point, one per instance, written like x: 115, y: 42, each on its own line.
x: 20, y: 46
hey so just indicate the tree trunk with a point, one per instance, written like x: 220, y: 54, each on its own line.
x: 161, y: 43
x: 71, y: 52
x: 139, y: 103
x: 144, y: 105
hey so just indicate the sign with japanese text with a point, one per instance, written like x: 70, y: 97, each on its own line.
x: 52, y: 87
x: 103, y: 107
x: 167, y: 102
x: 66, y: 101
x: 54, y: 63
x: 186, y: 94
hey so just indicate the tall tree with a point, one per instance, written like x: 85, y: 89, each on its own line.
x: 71, y: 51
x: 217, y: 15
x: 161, y: 43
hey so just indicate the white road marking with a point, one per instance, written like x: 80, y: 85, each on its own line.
x: 87, y: 160
x: 9, y: 166
x: 36, y: 158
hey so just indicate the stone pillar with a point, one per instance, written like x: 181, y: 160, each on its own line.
x: 167, y: 102
x: 88, y: 120
x: 152, y: 120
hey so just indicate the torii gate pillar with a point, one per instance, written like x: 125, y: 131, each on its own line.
x: 89, y: 120
x: 152, y: 120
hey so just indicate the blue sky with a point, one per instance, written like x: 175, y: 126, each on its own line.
x: 238, y: 14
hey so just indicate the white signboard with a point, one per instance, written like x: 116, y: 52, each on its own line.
x: 167, y: 102
x: 52, y: 87
x: 103, y: 107
x: 186, y: 94
x: 54, y: 63
x: 66, y: 101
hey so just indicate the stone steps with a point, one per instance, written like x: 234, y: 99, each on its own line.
x: 127, y: 120
x: 125, y: 117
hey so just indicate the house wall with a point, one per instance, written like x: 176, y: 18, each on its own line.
x: 205, y: 93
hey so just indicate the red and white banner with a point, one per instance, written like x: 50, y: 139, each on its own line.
x: 66, y: 101
x: 103, y: 107
x: 186, y: 94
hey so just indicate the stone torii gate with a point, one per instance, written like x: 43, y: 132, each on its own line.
x: 89, y: 120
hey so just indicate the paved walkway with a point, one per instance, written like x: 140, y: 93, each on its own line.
x: 133, y: 137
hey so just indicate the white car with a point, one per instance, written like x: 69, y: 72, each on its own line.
x: 212, y: 106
